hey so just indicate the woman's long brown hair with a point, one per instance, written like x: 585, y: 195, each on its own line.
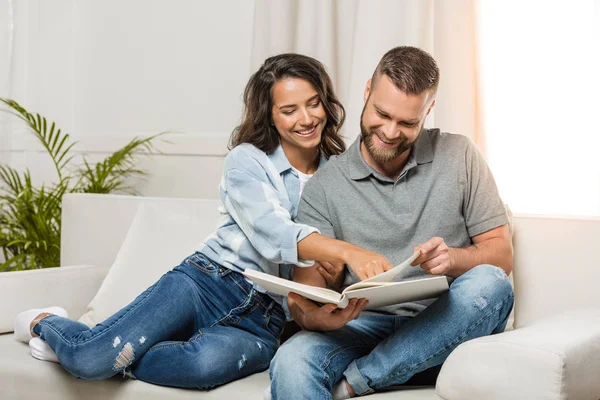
x: 257, y: 125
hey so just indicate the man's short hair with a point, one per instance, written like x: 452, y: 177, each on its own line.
x: 411, y: 69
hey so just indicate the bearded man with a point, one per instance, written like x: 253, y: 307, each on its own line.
x: 399, y: 188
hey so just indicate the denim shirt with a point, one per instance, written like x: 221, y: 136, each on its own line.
x: 259, y: 196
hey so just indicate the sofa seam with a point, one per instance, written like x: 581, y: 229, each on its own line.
x: 558, y: 354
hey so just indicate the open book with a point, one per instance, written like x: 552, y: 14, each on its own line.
x: 380, y: 290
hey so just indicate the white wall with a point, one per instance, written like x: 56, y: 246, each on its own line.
x: 109, y: 70
x: 6, y: 35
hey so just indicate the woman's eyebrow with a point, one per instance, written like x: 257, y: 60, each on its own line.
x: 316, y: 96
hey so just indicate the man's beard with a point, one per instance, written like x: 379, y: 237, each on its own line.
x: 381, y: 154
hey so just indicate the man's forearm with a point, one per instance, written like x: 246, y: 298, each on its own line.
x: 494, y: 251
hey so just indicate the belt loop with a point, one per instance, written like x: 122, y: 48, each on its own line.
x: 269, y: 307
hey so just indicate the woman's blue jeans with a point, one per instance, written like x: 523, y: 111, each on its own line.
x: 199, y: 326
x: 374, y: 352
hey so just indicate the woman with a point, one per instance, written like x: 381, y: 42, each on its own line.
x: 203, y: 324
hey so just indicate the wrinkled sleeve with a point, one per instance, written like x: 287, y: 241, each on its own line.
x: 483, y: 208
x: 313, y: 209
x: 252, y: 202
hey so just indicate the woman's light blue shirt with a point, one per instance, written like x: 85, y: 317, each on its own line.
x: 259, y: 201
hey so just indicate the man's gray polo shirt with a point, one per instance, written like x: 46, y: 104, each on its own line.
x: 446, y: 189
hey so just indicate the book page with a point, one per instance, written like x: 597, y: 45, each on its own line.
x: 387, y: 276
x: 401, y: 292
x: 282, y: 287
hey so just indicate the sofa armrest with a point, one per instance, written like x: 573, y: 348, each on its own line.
x: 69, y: 287
x: 554, y: 358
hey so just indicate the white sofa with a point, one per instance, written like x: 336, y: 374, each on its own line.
x: 554, y: 352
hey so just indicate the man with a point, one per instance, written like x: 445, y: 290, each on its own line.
x: 397, y: 189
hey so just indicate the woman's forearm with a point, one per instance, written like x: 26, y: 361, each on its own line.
x: 364, y: 263
x: 322, y: 248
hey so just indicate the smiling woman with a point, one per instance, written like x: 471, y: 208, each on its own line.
x: 290, y: 100
x: 299, y: 117
x: 295, y: 93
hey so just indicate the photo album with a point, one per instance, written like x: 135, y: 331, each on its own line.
x: 380, y: 290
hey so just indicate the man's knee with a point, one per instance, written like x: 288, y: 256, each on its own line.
x: 294, y: 356
x: 289, y: 353
x: 485, y: 284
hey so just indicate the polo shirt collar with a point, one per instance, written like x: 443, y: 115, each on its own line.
x: 423, y: 150
x: 358, y: 166
x: 281, y: 162
x: 422, y: 153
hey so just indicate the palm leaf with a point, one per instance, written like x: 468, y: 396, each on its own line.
x: 30, y: 216
x: 32, y: 226
x: 13, y: 185
x: 15, y: 263
x: 110, y: 174
x: 56, y: 143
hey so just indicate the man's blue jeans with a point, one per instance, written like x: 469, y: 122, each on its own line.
x: 374, y: 352
x: 199, y: 326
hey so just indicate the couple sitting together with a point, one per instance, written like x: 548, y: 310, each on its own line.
x: 399, y: 188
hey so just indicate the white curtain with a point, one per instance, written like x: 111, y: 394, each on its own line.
x: 6, y: 49
x: 350, y: 36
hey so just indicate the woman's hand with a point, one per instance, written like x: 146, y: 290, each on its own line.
x: 364, y: 263
x: 367, y: 264
x: 333, y: 273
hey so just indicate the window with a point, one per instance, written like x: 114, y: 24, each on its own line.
x: 540, y: 93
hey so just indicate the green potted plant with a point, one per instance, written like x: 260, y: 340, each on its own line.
x: 30, y: 215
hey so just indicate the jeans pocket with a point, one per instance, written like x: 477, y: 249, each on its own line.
x: 203, y: 264
x: 247, y: 307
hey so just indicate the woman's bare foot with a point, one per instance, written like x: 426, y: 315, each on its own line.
x: 36, y: 320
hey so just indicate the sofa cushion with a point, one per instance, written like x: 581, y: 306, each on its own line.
x: 553, y: 358
x: 23, y: 290
x: 510, y: 322
x: 157, y: 241
x: 556, y: 266
x: 23, y: 377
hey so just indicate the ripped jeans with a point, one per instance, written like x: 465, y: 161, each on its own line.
x: 199, y: 326
x: 377, y: 351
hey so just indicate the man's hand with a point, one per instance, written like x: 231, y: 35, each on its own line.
x: 367, y: 264
x: 435, y: 257
x: 313, y: 317
x: 333, y: 273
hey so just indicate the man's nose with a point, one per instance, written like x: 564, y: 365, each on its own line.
x: 391, y: 131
